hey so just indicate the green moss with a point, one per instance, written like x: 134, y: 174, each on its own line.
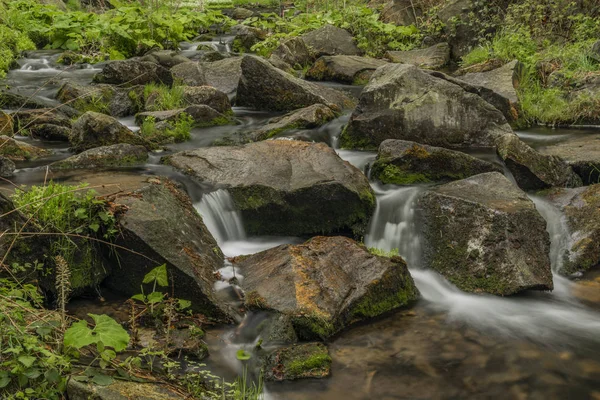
x: 352, y: 141
x: 318, y: 362
x: 392, y: 174
x: 312, y: 326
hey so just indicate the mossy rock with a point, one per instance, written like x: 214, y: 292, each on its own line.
x: 117, y: 155
x: 307, y: 360
x: 19, y: 151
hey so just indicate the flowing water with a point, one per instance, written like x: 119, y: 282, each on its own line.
x: 450, y: 345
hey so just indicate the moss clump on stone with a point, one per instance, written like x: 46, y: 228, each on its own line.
x: 392, y: 174
x: 309, y: 360
x: 311, y: 326
x: 353, y: 141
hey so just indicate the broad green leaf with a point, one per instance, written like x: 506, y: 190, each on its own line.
x: 158, y: 275
x: 102, y: 380
x: 27, y: 361
x: 243, y: 355
x: 94, y: 227
x: 4, y: 379
x: 139, y: 297
x: 110, y: 332
x: 79, y: 335
x: 155, y: 297
x: 52, y: 376
x: 183, y: 304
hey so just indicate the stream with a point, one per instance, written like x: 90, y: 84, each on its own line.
x: 450, y: 345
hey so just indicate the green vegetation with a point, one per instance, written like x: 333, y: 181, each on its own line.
x: 167, y: 132
x: 12, y: 43
x: 161, y: 97
x: 383, y: 253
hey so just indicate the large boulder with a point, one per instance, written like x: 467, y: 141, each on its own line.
x: 402, y: 101
x: 485, y: 235
x: 434, y: 57
x: 188, y: 73
x: 223, y: 75
x: 108, y: 99
x: 325, y: 284
x: 329, y: 41
x: 582, y: 154
x: 159, y: 225
x: 116, y: 155
x: 346, y: 69
x: 295, y: 52
x: 209, y: 96
x: 533, y: 170
x: 503, y: 80
x: 16, y: 150
x: 265, y: 87
x: 285, y: 187
x: 581, y: 210
x: 132, y: 72
x: 93, y: 129
x: 402, y: 162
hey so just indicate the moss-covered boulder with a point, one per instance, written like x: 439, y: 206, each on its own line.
x: 264, y: 87
x: 132, y: 72
x: 402, y: 162
x: 116, y: 155
x: 209, y: 96
x: 581, y: 208
x: 434, y: 57
x: 305, y: 118
x: 285, y: 187
x: 16, y: 150
x: 485, y: 235
x: 325, y: 284
x: 93, y: 129
x: 159, y: 225
x: 307, y: 360
x: 202, y: 115
x: 582, y: 154
x: 44, y: 123
x: 404, y: 102
x: 7, y: 167
x: 106, y: 99
x: 345, y: 69
x: 9, y: 100
x: 533, y: 170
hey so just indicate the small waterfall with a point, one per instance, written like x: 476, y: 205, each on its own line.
x: 221, y: 216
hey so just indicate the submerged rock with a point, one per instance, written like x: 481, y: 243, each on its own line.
x: 402, y: 162
x: 581, y: 208
x: 325, y: 284
x: 329, y: 41
x: 434, y: 57
x: 209, y: 96
x: 7, y: 167
x: 403, y: 102
x: 19, y: 151
x: 132, y: 72
x: 346, y: 69
x: 533, y: 170
x: 93, y: 129
x: 582, y: 154
x: 307, y: 360
x: 485, y: 235
x: 264, y: 87
x: 107, y: 99
x: 117, y: 155
x: 161, y: 226
x: 285, y: 187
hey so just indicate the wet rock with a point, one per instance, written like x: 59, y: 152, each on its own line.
x: 93, y: 129
x: 305, y: 118
x: 18, y: 151
x: 346, y: 69
x: 188, y: 342
x: 119, y: 390
x: 189, y: 73
x: 307, y: 360
x: 582, y: 154
x: 325, y: 284
x: 43, y: 123
x: 209, y: 96
x: 241, y: 13
x: 285, y: 187
x: 107, y: 99
x: 434, y: 57
x: 166, y: 58
x: 132, y: 72
x: 485, y: 235
x: 160, y: 225
x: 581, y: 208
x: 503, y: 80
x: 50, y: 132
x: 405, y: 163
x: 117, y: 155
x: 533, y: 170
x: 294, y: 52
x: 265, y: 87
x: 277, y: 329
x: 7, y: 167
x: 330, y: 41
x: 223, y: 75
x: 202, y: 115
x: 16, y: 101
x: 246, y: 37
x: 6, y: 124
x: 402, y: 101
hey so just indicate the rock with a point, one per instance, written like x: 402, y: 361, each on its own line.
x: 131, y: 73
x: 16, y: 101
x: 18, y: 151
x: 241, y: 13
x: 285, y: 187
x: 93, y: 129
x: 434, y: 57
x: 581, y: 210
x: 120, y: 390
x: 305, y: 118
x: 186, y: 342
x: 401, y: 12
x: 294, y: 52
x: 277, y: 329
x: 223, y: 75
x: 7, y: 167
x: 503, y: 80
x: 189, y: 73
x: 325, y: 284
x: 402, y: 162
x: 330, y: 41
x: 6, y: 124
x: 246, y: 37
x: 265, y: 87
x: 346, y: 69
x: 307, y: 360
x: 211, y: 56
x: 582, y: 154
x: 43, y: 123
x: 282, y: 65
x: 202, y: 115
x: 533, y: 170
x: 161, y: 226
x: 166, y: 58
x: 595, y: 51
x: 403, y: 102
x: 107, y: 99
x: 209, y: 96
x: 50, y: 132
x: 485, y: 235
x: 116, y: 155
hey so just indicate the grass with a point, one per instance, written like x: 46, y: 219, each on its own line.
x: 383, y: 253
x: 170, y: 132
x: 160, y: 97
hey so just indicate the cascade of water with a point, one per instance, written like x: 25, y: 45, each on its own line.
x: 221, y: 216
